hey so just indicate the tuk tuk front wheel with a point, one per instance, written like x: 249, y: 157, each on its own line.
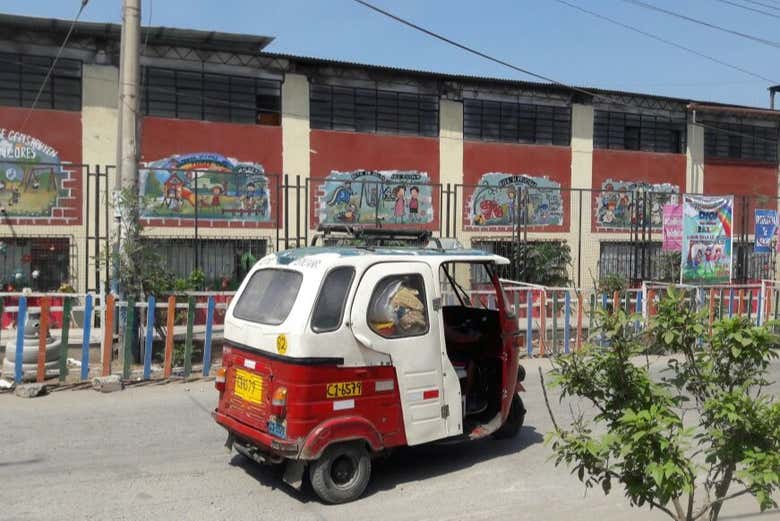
x: 342, y: 472
x: 514, y: 420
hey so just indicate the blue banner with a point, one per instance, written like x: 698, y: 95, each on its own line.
x: 766, y: 227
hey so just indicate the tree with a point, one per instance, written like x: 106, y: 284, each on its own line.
x: 678, y: 443
x: 545, y: 263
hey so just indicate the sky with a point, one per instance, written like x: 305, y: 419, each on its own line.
x: 543, y: 36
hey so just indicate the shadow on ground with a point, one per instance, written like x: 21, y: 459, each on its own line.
x: 406, y: 464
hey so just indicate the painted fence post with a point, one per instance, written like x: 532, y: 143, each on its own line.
x: 650, y: 303
x: 529, y: 332
x: 542, y: 322
x: 566, y: 321
x: 579, y: 320
x: 21, y: 317
x: 758, y: 308
x: 749, y: 303
x: 731, y: 302
x: 591, y: 311
x: 712, y: 308
x: 554, y: 346
x: 639, y: 307
x: 150, y: 304
x: 129, y: 338
x: 604, y: 301
x: 43, y: 336
x: 108, y: 335
x: 207, y: 341
x: 169, y: 336
x: 741, y: 303
x: 87, y: 333
x: 188, y: 340
x: 67, y: 304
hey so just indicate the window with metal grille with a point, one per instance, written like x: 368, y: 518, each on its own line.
x: 41, y: 264
x: 22, y: 75
x: 740, y: 141
x: 221, y: 260
x: 516, y: 122
x: 212, y: 97
x: 635, y: 260
x: 373, y: 110
x: 749, y: 265
x: 624, y: 131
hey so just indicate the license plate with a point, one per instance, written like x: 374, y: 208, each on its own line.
x: 344, y: 389
x: 248, y: 386
x: 277, y: 429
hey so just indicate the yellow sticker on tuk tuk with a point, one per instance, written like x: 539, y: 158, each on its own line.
x: 281, y: 344
x: 344, y: 389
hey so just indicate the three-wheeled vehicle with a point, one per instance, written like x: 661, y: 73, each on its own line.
x: 334, y: 355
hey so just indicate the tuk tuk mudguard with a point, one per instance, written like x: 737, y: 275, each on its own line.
x: 336, y: 430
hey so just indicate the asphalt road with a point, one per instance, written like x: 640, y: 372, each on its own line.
x: 153, y: 452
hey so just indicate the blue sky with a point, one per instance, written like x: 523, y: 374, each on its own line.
x: 540, y: 35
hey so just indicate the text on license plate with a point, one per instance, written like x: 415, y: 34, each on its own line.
x: 344, y: 389
x: 248, y: 386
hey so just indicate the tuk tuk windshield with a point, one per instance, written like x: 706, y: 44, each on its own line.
x: 268, y: 296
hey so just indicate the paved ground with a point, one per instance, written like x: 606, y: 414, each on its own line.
x: 153, y: 452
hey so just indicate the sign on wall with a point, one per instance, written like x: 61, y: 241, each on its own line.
x: 623, y: 204
x: 31, y: 176
x: 494, y: 201
x: 223, y: 188
x: 766, y: 226
x: 707, y: 238
x: 672, y: 227
x: 365, y: 196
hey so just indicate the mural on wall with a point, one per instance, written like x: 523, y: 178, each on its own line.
x: 365, y: 196
x: 621, y: 204
x: 494, y: 200
x: 221, y: 187
x: 31, y: 175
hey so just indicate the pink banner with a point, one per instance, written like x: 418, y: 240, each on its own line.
x: 672, y: 227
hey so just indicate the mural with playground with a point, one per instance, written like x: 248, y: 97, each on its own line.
x: 495, y: 201
x: 219, y: 187
x: 623, y: 204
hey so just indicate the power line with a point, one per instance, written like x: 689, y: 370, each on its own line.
x: 748, y: 8
x: 645, y: 5
x: 763, y: 5
x: 54, y: 63
x: 666, y: 41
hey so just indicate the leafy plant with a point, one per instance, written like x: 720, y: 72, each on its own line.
x: 546, y: 263
x: 611, y: 283
x: 680, y: 442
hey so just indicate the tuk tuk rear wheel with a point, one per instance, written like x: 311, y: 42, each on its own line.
x: 514, y: 420
x: 342, y: 472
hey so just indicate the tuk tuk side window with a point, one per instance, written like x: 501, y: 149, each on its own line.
x: 397, y: 308
x: 329, y: 308
x: 268, y: 296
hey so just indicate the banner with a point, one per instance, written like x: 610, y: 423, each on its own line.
x: 672, y: 227
x: 707, y: 239
x: 766, y: 226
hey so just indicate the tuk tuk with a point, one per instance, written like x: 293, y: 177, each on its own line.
x: 334, y: 355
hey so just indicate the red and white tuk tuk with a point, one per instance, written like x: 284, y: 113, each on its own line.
x: 334, y: 355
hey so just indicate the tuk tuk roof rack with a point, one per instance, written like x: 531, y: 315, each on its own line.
x: 372, y: 237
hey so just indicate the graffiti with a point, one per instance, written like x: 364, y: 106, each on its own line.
x: 31, y: 176
x: 623, y: 204
x: 368, y: 196
x: 501, y: 199
x: 220, y: 187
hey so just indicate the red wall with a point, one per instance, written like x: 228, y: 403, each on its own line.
x: 757, y: 182
x: 540, y: 161
x: 60, y: 130
x: 162, y: 137
x: 345, y: 151
x: 635, y: 166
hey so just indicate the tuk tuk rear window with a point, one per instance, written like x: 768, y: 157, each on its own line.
x: 329, y: 309
x: 269, y: 296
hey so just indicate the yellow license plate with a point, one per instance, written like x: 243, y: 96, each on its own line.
x: 344, y: 389
x: 248, y: 386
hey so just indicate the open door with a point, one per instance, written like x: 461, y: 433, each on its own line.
x: 393, y: 313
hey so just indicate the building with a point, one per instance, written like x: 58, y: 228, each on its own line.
x: 265, y: 146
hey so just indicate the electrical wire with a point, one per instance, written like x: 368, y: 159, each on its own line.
x: 645, y: 5
x: 54, y: 63
x: 748, y: 8
x: 667, y: 41
x: 762, y: 4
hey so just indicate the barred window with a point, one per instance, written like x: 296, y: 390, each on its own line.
x: 624, y: 131
x: 740, y: 141
x: 516, y: 122
x: 21, y: 76
x: 373, y: 110
x: 213, y: 97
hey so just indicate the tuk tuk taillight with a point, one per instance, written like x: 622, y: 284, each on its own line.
x: 219, y: 383
x: 279, y: 402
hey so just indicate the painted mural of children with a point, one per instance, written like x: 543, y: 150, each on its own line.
x: 400, y: 203
x: 414, y: 203
x: 248, y: 201
x: 609, y: 213
x: 2, y: 185
x: 15, y: 196
x: 216, y: 192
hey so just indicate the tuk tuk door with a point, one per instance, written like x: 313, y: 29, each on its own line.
x: 393, y: 313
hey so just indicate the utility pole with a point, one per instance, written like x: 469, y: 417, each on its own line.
x: 127, y: 171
